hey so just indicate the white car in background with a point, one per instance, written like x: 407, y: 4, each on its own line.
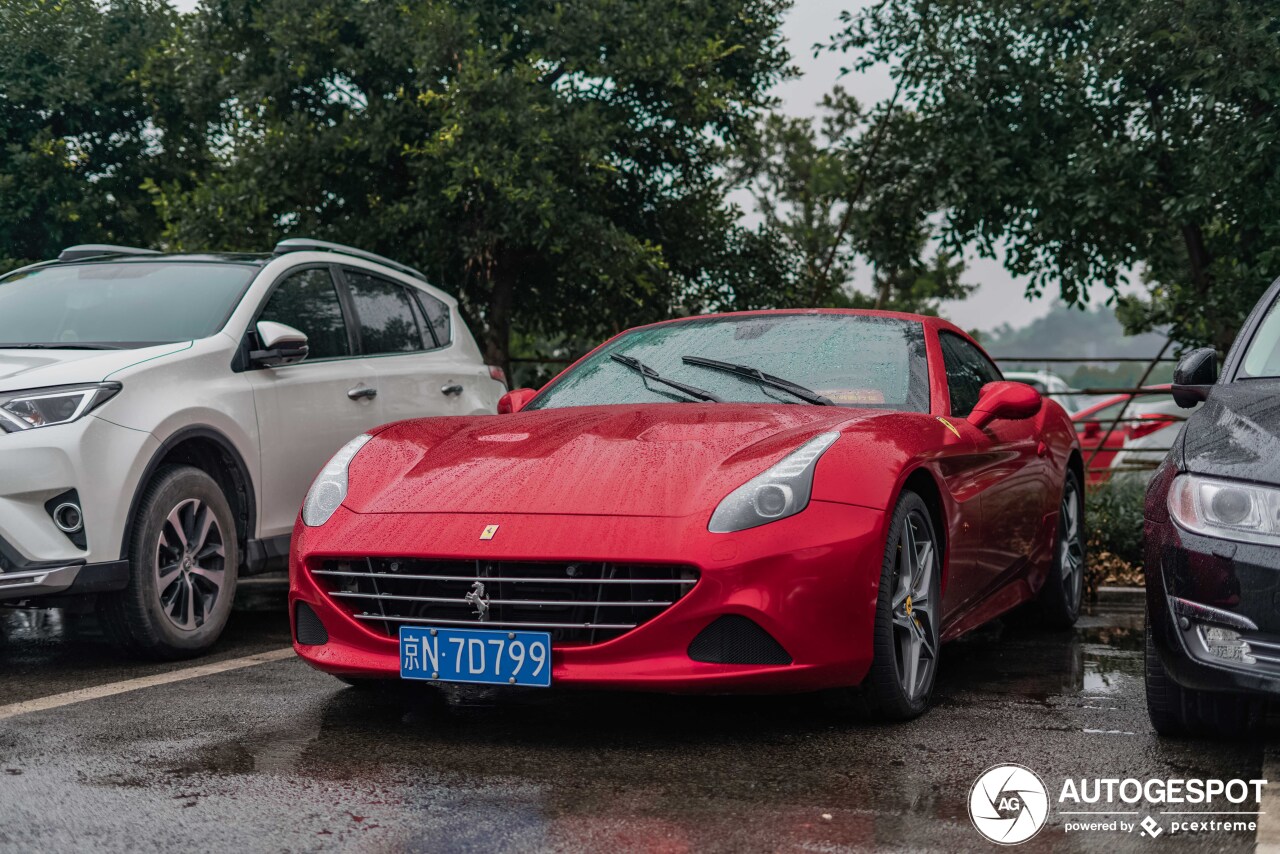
x: 1050, y: 385
x: 162, y: 416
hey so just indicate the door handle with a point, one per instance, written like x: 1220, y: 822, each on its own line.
x: 452, y: 389
x: 362, y: 393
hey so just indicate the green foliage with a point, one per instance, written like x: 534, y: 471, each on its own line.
x: 1113, y: 514
x: 557, y: 166
x: 844, y: 191
x: 76, y: 140
x: 1094, y: 138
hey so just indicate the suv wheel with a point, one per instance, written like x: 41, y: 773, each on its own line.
x: 183, y: 564
x: 1185, y: 712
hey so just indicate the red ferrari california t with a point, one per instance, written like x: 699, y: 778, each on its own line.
x: 755, y: 502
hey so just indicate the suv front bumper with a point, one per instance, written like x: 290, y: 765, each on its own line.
x: 103, y: 462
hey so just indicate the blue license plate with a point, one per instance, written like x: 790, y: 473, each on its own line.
x: 484, y: 656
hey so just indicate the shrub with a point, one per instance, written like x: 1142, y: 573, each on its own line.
x: 1113, y: 516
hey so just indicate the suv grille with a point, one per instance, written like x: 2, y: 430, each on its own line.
x: 579, y: 602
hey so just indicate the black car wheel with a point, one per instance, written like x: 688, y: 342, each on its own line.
x: 1185, y: 712
x: 183, y: 563
x: 902, y: 675
x: 1059, y: 599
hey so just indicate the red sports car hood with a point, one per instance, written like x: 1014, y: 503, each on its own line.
x: 649, y: 460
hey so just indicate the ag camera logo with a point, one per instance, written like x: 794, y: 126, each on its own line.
x: 1009, y: 804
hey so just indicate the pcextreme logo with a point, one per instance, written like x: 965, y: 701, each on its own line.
x: 1008, y: 804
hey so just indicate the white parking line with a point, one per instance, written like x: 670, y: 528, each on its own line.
x: 1268, y: 838
x: 79, y: 696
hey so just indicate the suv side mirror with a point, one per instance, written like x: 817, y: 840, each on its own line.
x: 515, y: 400
x: 1008, y: 400
x: 1195, y: 374
x: 281, y: 345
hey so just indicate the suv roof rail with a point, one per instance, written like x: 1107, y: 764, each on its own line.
x: 94, y: 250
x: 307, y: 244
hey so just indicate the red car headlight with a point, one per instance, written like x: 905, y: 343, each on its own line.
x: 780, y: 491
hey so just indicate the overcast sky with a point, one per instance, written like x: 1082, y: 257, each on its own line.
x: 999, y: 298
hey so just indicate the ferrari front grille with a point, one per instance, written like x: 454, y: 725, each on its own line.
x: 578, y: 602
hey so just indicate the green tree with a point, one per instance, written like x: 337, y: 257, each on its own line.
x: 843, y: 191
x: 1095, y: 138
x: 556, y: 165
x: 76, y: 142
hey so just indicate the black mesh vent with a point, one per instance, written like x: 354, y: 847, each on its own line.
x: 734, y: 639
x: 311, y: 631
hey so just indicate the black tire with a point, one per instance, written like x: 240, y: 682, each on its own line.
x: 1179, y: 712
x: 884, y: 690
x: 181, y: 615
x: 1058, y: 603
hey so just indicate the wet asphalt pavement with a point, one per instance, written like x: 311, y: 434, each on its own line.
x: 278, y: 757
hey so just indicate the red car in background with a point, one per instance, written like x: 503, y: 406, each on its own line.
x: 755, y: 502
x: 1102, y: 436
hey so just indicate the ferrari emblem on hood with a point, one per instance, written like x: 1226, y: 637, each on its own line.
x: 488, y: 532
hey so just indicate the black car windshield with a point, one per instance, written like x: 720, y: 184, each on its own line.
x: 852, y: 360
x: 128, y: 304
x: 1262, y: 359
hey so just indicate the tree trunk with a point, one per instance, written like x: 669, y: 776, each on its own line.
x: 497, y: 327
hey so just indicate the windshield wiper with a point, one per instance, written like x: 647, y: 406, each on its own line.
x: 66, y: 346
x: 649, y: 373
x: 805, y: 394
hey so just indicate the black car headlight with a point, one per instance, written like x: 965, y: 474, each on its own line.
x: 780, y: 491
x: 46, y: 407
x: 1226, y: 509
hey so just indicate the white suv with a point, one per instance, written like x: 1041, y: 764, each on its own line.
x: 162, y: 416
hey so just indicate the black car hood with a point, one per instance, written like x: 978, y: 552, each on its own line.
x: 1236, y: 433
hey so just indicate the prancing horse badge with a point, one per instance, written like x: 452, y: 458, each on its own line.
x: 488, y: 532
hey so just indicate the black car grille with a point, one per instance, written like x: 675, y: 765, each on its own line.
x: 578, y: 602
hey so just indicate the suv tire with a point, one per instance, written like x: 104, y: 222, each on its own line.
x: 184, y: 558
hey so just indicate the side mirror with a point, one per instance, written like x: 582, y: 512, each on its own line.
x: 1195, y: 374
x: 515, y: 400
x: 1008, y: 400
x: 281, y: 345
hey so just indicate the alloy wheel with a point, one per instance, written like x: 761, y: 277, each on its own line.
x: 190, y: 564
x: 1071, y: 547
x: 913, y: 608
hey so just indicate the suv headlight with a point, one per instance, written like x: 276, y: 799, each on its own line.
x: 1226, y: 509
x: 330, y: 487
x: 45, y: 407
x: 780, y: 491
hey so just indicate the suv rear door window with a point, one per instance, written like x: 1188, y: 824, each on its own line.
x: 391, y: 321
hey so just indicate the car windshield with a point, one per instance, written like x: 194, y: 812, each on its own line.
x: 127, y: 304
x: 851, y: 360
x: 1262, y: 359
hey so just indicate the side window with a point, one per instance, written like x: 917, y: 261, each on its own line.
x: 437, y: 318
x: 967, y: 372
x: 308, y: 301
x: 391, y: 321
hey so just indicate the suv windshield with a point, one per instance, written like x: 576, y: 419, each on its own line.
x: 852, y: 360
x: 1262, y: 359
x: 130, y: 304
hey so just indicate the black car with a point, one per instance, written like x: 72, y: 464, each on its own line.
x: 1213, y: 542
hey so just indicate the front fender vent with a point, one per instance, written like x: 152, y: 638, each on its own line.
x: 734, y: 639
